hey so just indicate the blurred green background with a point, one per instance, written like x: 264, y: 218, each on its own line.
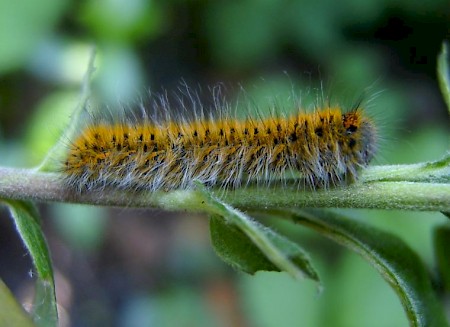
x: 151, y: 268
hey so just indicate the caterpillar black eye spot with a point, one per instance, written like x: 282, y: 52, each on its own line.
x: 351, y: 129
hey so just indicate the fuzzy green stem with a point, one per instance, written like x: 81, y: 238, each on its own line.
x: 406, y: 187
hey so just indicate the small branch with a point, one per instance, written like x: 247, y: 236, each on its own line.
x: 28, y: 184
x: 434, y: 172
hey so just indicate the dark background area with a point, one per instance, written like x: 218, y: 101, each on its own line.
x: 123, y: 267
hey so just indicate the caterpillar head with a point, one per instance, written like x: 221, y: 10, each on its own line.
x: 361, y: 136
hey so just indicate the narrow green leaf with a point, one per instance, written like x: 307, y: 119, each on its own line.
x: 280, y: 253
x: 11, y: 312
x: 398, y: 264
x: 441, y: 246
x: 238, y: 250
x: 60, y: 148
x: 26, y: 218
x: 428, y: 172
x: 443, y: 72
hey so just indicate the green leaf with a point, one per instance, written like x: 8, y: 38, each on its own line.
x: 398, y: 264
x: 11, y: 312
x: 238, y: 250
x: 441, y: 246
x: 280, y: 254
x: 443, y: 72
x: 60, y: 148
x: 429, y: 172
x: 26, y: 218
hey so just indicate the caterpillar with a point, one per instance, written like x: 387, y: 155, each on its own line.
x: 323, y: 148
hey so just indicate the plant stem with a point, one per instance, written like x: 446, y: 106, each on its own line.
x: 381, y: 193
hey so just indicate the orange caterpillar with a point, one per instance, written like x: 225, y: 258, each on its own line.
x: 324, y: 148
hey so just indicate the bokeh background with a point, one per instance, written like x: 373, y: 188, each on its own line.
x: 128, y: 267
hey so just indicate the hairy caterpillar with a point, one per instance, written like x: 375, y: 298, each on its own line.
x: 325, y: 148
